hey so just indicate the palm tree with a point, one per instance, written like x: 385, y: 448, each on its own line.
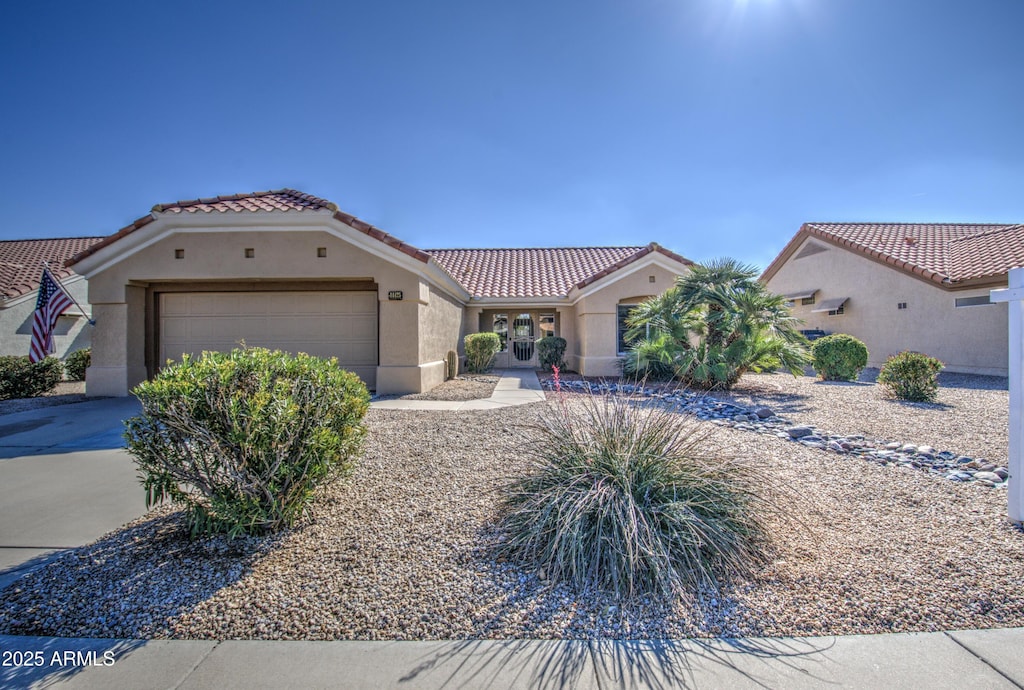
x: 715, y: 324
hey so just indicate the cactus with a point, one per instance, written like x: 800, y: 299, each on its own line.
x: 451, y: 365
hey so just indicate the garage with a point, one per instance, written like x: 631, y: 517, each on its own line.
x: 340, y: 324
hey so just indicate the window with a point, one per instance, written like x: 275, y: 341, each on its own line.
x: 547, y: 325
x: 807, y: 300
x: 500, y: 326
x: 973, y: 301
x: 621, y: 327
x: 836, y: 312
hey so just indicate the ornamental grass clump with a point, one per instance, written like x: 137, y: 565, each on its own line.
x: 623, y: 497
x: 911, y: 376
x: 241, y: 439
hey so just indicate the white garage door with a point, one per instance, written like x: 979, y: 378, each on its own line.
x: 324, y: 324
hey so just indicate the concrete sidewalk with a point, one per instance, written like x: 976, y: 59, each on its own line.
x: 967, y: 659
x: 516, y: 387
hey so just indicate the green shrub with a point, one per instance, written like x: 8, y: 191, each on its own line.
x: 76, y: 363
x: 716, y: 323
x: 839, y: 357
x: 622, y: 499
x: 480, y: 351
x: 650, y: 359
x: 911, y: 376
x: 242, y: 439
x: 551, y: 352
x: 20, y: 378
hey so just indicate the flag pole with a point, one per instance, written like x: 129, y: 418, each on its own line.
x: 91, y: 322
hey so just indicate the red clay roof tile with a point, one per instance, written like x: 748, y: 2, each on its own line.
x: 986, y: 254
x: 536, y: 272
x: 944, y: 253
x: 21, y: 262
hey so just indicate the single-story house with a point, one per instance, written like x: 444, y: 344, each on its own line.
x: 288, y: 270
x: 905, y: 286
x: 21, y: 267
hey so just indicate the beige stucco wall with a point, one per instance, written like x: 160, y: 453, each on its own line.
x: 597, y: 317
x: 279, y: 254
x: 71, y: 333
x: 439, y: 319
x: 966, y: 339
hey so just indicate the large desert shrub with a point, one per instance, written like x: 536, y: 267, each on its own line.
x: 20, y: 378
x: 911, y: 376
x: 480, y: 351
x: 623, y: 496
x: 76, y: 363
x: 839, y: 357
x: 716, y: 323
x: 551, y: 352
x: 241, y: 439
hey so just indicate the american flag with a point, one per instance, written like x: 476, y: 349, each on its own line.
x: 52, y: 302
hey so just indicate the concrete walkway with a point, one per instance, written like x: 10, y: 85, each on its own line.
x: 516, y: 387
x: 967, y: 659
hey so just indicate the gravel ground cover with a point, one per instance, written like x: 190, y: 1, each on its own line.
x: 466, y: 387
x: 402, y: 549
x: 65, y: 393
x: 970, y: 417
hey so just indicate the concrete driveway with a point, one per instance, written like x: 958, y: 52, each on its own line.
x: 65, y: 480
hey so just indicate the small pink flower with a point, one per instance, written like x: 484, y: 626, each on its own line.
x: 558, y: 379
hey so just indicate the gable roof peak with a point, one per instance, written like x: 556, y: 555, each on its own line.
x: 271, y: 200
x: 926, y: 250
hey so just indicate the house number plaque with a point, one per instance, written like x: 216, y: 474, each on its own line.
x: 395, y: 295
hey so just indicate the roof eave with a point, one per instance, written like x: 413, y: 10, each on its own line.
x: 808, y: 230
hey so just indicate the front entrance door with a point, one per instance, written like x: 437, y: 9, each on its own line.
x: 523, y: 351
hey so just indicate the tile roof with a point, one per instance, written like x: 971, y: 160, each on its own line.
x: 21, y: 262
x: 944, y: 253
x: 283, y: 200
x: 539, y: 272
x: 536, y: 272
x: 985, y: 254
x: 273, y: 200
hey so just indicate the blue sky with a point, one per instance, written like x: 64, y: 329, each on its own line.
x: 714, y: 127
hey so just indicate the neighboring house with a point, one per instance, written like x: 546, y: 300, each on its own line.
x: 21, y: 267
x: 911, y: 286
x: 287, y: 270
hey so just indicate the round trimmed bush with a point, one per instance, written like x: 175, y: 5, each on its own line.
x: 76, y: 363
x: 623, y: 498
x: 911, y: 376
x: 550, y: 352
x: 839, y: 357
x: 241, y: 439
